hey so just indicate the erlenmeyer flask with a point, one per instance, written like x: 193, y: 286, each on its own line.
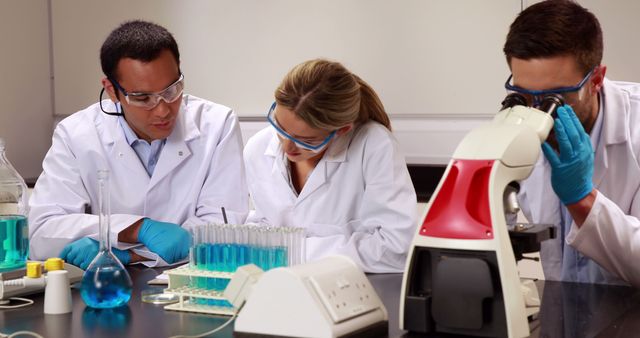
x: 106, y: 283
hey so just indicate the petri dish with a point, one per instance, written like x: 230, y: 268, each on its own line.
x: 158, y: 296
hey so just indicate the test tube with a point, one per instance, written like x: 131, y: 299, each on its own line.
x: 242, y: 238
x: 228, y: 252
x: 281, y: 248
x: 272, y: 244
x: 212, y: 248
x: 254, y: 249
x: 200, y: 260
x: 193, y: 248
x: 234, y: 238
x: 265, y: 243
x: 212, y: 257
x: 193, y: 255
x: 299, y: 255
x: 289, y: 244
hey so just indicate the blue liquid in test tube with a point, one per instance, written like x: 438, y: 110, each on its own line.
x: 243, y: 254
x: 228, y: 258
x: 280, y: 257
x: 212, y: 257
x: 201, y: 256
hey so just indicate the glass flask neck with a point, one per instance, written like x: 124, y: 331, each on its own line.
x: 104, y: 207
x: 3, y: 157
x: 13, y: 190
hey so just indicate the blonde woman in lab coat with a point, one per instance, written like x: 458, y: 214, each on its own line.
x: 329, y: 163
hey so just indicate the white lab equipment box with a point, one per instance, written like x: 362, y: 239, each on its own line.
x: 331, y: 297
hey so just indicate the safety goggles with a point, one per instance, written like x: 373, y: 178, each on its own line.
x: 149, y: 101
x: 535, y: 97
x: 310, y: 145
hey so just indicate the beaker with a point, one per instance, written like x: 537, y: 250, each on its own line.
x: 14, y: 231
x: 106, y: 283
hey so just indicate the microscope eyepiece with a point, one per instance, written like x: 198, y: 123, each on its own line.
x: 550, y: 103
x: 513, y: 99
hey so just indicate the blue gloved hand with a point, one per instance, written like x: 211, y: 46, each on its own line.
x: 81, y: 252
x: 170, y: 241
x: 572, y: 169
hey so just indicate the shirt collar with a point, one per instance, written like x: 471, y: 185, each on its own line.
x: 596, y: 132
x: 129, y: 134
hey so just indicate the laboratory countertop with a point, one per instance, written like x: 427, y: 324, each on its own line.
x: 568, y: 310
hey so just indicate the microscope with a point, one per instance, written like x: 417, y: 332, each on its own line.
x: 461, y: 275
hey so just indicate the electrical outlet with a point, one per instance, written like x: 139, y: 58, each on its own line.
x: 345, y: 295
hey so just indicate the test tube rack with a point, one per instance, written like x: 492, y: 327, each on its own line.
x: 217, y: 251
x: 197, y: 299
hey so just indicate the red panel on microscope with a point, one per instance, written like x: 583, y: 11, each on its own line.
x: 461, y: 208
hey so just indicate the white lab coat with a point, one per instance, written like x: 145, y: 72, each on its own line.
x: 610, y: 234
x: 200, y: 169
x: 358, y: 201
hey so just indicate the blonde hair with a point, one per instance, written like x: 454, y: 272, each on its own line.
x: 327, y: 96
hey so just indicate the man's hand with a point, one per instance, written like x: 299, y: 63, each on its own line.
x: 83, y: 251
x: 572, y: 169
x: 170, y: 241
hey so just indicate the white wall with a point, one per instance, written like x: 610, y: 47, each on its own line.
x: 620, y: 24
x: 423, y: 57
x: 25, y: 84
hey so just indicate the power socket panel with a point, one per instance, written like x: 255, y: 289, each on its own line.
x: 345, y: 295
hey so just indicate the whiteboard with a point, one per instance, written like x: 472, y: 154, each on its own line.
x: 422, y: 56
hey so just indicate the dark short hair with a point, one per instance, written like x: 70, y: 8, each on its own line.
x: 555, y: 28
x: 138, y: 40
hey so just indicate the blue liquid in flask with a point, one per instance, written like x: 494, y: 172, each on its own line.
x: 106, y: 284
x: 14, y: 242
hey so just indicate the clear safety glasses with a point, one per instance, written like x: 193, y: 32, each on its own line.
x: 315, y: 146
x: 534, y: 97
x: 149, y: 101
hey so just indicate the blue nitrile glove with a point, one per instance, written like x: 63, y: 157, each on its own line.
x: 170, y: 241
x: 572, y: 170
x: 83, y: 251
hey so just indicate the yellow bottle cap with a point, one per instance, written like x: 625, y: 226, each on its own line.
x: 53, y: 264
x: 34, y: 269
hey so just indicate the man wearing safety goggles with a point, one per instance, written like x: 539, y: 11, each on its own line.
x: 588, y: 181
x: 174, y: 159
